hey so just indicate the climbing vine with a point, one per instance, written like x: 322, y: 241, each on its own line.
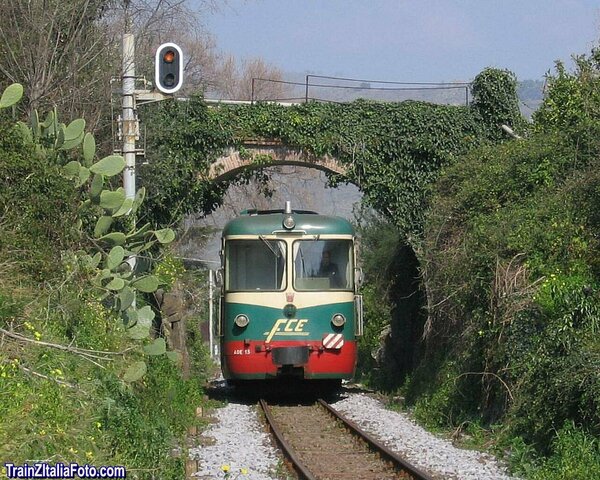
x: 392, y: 151
x: 496, y: 101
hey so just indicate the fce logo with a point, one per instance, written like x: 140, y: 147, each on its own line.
x: 286, y: 327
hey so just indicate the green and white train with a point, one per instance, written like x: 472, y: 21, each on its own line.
x: 289, y: 298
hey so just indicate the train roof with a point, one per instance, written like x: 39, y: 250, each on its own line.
x: 265, y: 222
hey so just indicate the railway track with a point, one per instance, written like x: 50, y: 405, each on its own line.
x: 321, y: 444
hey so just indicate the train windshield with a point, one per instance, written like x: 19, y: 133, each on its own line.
x: 255, y: 265
x: 323, y: 265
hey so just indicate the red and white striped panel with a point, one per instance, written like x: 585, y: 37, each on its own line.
x: 333, y: 340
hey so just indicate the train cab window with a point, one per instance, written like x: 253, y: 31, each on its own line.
x: 323, y: 265
x: 252, y: 265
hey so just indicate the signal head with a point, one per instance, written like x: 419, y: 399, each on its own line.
x: 168, y: 68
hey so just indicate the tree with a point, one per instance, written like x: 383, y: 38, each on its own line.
x: 60, y: 51
x: 65, y: 53
x: 234, y: 80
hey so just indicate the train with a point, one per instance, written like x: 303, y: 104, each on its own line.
x: 290, y: 307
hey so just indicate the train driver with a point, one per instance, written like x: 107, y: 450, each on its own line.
x: 329, y: 269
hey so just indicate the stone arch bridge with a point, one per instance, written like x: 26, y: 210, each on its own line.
x: 260, y: 153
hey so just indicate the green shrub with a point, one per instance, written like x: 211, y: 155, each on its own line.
x: 38, y: 207
x: 575, y: 455
x: 511, y: 250
x: 54, y: 404
x: 392, y: 301
x: 143, y: 422
x: 64, y: 353
x: 168, y: 270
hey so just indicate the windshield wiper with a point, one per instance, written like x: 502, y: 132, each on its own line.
x: 268, y: 244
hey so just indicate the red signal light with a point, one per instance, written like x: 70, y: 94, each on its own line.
x: 169, y: 56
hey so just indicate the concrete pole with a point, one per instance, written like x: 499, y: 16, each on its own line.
x: 211, y: 320
x: 129, y: 120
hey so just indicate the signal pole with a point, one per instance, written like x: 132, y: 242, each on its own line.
x: 129, y: 117
x: 169, y: 78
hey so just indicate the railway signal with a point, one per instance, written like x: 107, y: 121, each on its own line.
x: 168, y: 68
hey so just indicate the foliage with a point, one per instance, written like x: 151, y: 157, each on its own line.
x: 572, y: 100
x: 392, y: 303
x: 117, y: 276
x: 496, y: 101
x: 510, y: 266
x: 55, y: 405
x: 392, y: 151
x: 575, y: 455
x: 440, y: 406
x: 37, y: 207
x: 188, y: 139
x: 504, y: 219
x: 168, y: 270
x: 200, y: 356
x: 377, y: 318
x: 142, y: 421
x: 66, y: 356
x: 44, y: 412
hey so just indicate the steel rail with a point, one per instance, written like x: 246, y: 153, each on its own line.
x: 385, y: 452
x: 302, y: 470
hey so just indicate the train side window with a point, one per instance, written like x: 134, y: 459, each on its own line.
x: 323, y: 265
x: 252, y: 265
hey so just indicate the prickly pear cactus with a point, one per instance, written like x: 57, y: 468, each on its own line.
x: 118, y: 273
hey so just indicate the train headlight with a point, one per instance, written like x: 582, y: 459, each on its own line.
x: 338, y: 320
x: 290, y: 310
x: 289, y: 222
x: 241, y: 321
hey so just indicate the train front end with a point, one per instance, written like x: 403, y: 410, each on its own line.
x: 289, y: 305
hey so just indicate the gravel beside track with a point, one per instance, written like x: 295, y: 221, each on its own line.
x: 434, y: 455
x: 240, y: 442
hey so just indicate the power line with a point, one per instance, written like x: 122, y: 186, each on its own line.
x: 440, y: 86
x: 366, y: 85
x: 463, y: 84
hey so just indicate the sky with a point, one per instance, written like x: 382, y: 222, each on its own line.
x: 407, y: 40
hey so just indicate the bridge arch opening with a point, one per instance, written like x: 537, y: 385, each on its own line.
x: 260, y: 154
x: 307, y: 187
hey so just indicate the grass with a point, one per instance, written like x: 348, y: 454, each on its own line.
x: 57, y: 406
